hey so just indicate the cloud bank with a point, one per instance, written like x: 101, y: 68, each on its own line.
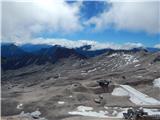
x: 79, y: 43
x: 157, y: 46
x: 129, y: 15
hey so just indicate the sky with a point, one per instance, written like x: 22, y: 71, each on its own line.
x: 125, y: 24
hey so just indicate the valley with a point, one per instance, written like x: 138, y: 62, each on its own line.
x: 68, y: 89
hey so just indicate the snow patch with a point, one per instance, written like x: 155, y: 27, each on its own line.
x: 138, y: 97
x: 87, y: 111
x: 119, y: 92
x: 114, y: 113
x: 152, y: 111
x: 139, y: 76
x: 117, y: 112
x: 137, y: 65
x: 135, y: 60
x: 129, y: 59
x: 92, y: 70
x: 70, y: 96
x: 156, y: 82
x: 84, y: 108
x: 84, y: 73
x: 113, y: 55
x: 19, y: 106
x: 61, y: 102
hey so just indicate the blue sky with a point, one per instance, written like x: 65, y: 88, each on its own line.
x: 110, y: 35
x: 103, y: 22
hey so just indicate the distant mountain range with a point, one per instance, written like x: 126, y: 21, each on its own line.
x: 14, y: 57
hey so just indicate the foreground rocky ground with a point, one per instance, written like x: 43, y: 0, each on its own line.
x: 58, y: 89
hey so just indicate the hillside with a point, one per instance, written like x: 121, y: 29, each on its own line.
x: 59, y: 89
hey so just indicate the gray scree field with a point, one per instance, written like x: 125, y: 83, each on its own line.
x: 58, y: 90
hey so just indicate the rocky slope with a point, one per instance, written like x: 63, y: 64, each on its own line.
x: 57, y: 89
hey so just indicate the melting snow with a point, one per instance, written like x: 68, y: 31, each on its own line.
x: 152, y: 111
x: 139, y: 98
x: 156, y: 82
x: 135, y: 96
x: 119, y: 92
x: 117, y: 112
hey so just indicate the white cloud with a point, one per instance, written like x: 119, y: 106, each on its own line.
x: 130, y: 15
x: 132, y: 45
x: 78, y: 43
x: 157, y: 46
x: 24, y: 19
